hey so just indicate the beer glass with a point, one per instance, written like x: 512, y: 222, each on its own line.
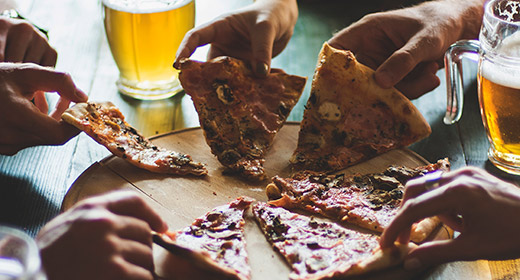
x: 19, y: 256
x: 498, y: 54
x: 144, y: 36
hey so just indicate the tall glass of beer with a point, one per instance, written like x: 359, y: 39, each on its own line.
x: 498, y: 54
x: 144, y: 36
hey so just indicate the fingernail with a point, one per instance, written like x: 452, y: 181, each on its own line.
x: 261, y: 69
x: 412, y: 264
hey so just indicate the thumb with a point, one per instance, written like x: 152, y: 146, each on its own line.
x: 30, y: 78
x: 262, y: 39
x: 435, y: 253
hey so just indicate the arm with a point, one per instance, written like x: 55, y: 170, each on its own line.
x: 255, y: 33
x: 406, y: 46
x: 483, y: 208
x: 104, y: 237
x: 24, y: 123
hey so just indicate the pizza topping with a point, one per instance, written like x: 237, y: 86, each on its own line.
x: 329, y: 111
x: 224, y: 92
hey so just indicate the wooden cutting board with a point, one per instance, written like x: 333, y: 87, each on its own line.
x: 182, y: 199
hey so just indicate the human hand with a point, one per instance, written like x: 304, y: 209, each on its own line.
x: 20, y: 41
x: 406, y: 46
x: 255, y: 33
x: 104, y: 237
x: 481, y: 207
x: 24, y: 123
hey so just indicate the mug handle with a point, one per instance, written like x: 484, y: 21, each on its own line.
x: 454, y: 82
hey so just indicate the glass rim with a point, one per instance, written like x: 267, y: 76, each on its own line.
x: 488, y: 12
x: 33, y: 265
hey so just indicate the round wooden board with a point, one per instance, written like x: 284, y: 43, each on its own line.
x: 180, y: 200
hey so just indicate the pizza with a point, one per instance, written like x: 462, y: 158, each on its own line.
x: 106, y: 125
x: 239, y: 113
x: 213, y: 247
x: 370, y: 201
x: 348, y: 118
x: 323, y: 250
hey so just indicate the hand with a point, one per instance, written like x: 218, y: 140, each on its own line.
x: 24, y: 123
x: 20, y: 41
x: 104, y: 237
x: 481, y: 207
x: 406, y: 46
x: 255, y: 33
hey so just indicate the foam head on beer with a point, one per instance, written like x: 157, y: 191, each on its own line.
x: 144, y: 36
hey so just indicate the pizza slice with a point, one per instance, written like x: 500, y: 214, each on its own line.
x: 349, y: 118
x: 370, y: 201
x: 239, y: 113
x: 323, y: 250
x: 213, y: 247
x: 106, y: 125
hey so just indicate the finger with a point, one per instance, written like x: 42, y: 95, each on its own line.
x: 199, y: 36
x: 421, y: 80
x: 132, y: 228
x: 403, y: 61
x: 138, y: 254
x: 131, y: 271
x: 262, y: 38
x: 61, y: 106
x: 18, y: 41
x: 3, y: 40
x: 41, y: 102
x: 49, y: 58
x: 420, y: 185
x: 437, y: 252
x: 35, y: 50
x: 429, y: 204
x: 130, y: 204
x: 31, y: 78
x: 10, y: 150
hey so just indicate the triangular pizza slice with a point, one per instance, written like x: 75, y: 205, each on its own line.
x: 349, y: 118
x: 213, y: 247
x: 322, y: 250
x: 239, y: 113
x: 104, y: 123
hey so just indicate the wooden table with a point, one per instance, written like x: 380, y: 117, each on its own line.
x: 34, y: 182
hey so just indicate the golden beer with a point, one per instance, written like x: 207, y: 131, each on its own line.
x: 144, y: 36
x: 499, y: 96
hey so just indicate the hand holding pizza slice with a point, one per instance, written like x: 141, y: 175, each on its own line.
x: 349, y: 118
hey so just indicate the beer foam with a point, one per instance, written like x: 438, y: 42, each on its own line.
x: 144, y: 6
x: 510, y: 46
x: 500, y: 74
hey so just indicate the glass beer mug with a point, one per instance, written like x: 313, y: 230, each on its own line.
x: 144, y: 36
x: 498, y: 56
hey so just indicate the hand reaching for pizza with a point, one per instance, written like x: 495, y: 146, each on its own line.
x: 255, y: 33
x: 24, y: 121
x: 20, y: 41
x: 481, y: 207
x: 406, y: 46
x: 104, y: 237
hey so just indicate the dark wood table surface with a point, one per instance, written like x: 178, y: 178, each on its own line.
x: 34, y: 182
